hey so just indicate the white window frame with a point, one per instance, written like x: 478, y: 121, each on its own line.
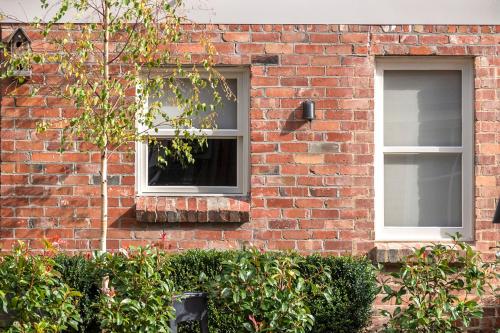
x: 241, y: 134
x: 383, y: 233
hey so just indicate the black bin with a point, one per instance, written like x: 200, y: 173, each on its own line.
x: 190, y: 307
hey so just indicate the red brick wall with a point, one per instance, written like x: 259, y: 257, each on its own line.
x: 311, y: 183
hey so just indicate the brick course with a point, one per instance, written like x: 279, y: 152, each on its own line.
x: 311, y: 182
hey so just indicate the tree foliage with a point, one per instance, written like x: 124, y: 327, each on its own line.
x: 111, y: 87
x: 117, y: 72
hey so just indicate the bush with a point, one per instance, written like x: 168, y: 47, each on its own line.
x: 80, y: 274
x: 138, y: 296
x: 85, y: 275
x: 437, y: 285
x: 266, y: 291
x: 33, y: 293
x: 337, y: 291
x: 351, y: 284
x: 349, y: 281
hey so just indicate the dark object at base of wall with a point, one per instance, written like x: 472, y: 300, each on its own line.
x: 191, y: 307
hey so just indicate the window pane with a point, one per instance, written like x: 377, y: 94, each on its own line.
x: 423, y: 190
x: 422, y: 108
x: 226, y: 112
x: 215, y: 165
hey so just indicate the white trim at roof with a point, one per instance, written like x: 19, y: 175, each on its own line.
x: 383, y: 12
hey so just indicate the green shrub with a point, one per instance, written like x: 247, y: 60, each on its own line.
x: 348, y: 282
x: 266, y: 291
x: 195, y: 270
x: 138, y: 297
x: 34, y: 295
x: 351, y: 284
x: 435, y: 289
x: 80, y: 274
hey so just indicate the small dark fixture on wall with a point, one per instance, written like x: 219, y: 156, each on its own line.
x: 19, y: 43
x: 308, y: 110
x: 496, y: 218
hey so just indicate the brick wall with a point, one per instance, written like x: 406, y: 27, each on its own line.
x: 311, y: 182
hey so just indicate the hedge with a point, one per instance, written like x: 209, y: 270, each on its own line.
x: 351, y: 282
x: 79, y: 274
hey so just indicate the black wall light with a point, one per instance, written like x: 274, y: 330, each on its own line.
x: 496, y: 218
x: 308, y: 110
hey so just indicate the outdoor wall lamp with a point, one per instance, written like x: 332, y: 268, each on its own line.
x: 308, y: 110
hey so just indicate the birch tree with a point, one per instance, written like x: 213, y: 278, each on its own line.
x: 110, y: 67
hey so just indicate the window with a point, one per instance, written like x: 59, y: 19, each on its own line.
x: 219, y: 168
x: 423, y: 148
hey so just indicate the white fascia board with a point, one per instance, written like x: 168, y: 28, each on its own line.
x: 382, y: 12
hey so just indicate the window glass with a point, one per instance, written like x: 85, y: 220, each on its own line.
x: 422, y: 108
x: 214, y: 165
x: 423, y: 190
x: 225, y: 112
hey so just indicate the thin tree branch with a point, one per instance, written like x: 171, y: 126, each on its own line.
x: 125, y: 46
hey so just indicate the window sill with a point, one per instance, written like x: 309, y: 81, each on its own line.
x: 216, y: 209
x: 389, y: 255
x: 393, y: 253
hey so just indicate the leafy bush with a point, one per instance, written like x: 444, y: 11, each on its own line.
x: 195, y: 270
x: 435, y: 285
x: 349, y: 281
x: 138, y: 297
x: 33, y: 293
x: 80, y: 274
x: 267, y: 292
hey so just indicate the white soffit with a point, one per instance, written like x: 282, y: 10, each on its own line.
x: 308, y: 11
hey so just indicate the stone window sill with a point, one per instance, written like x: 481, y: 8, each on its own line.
x: 153, y: 209
x: 393, y: 253
x: 389, y: 255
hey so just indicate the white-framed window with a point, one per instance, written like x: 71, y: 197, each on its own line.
x: 220, y: 168
x: 423, y: 148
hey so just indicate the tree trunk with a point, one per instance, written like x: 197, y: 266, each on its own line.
x: 104, y: 199
x: 104, y: 152
x: 104, y: 215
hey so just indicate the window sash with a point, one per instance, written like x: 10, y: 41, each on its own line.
x: 421, y: 149
x: 241, y: 134
x: 382, y: 232
x: 166, y: 133
x: 175, y: 190
x: 241, y: 109
x: 422, y: 108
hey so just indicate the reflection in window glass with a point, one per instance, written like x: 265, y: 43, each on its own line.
x: 423, y: 190
x: 226, y: 110
x: 215, y: 165
x: 422, y: 108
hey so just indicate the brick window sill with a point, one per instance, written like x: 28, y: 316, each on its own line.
x: 393, y: 253
x: 152, y: 209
